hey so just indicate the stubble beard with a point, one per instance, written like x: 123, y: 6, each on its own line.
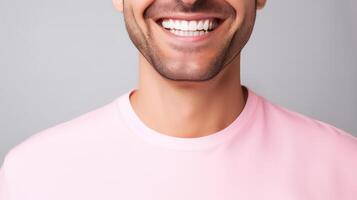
x: 180, y: 71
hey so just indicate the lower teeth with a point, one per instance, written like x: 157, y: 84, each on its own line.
x: 188, y: 33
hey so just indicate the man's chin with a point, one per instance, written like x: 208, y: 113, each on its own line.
x: 186, y: 74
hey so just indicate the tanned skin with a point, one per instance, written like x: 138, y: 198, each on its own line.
x: 189, y: 88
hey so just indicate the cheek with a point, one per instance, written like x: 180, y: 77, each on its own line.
x: 137, y: 8
x: 241, y: 8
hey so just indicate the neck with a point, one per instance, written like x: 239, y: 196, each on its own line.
x: 188, y: 110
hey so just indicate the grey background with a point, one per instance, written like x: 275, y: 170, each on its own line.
x: 60, y: 59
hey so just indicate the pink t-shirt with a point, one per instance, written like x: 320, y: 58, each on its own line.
x: 268, y: 152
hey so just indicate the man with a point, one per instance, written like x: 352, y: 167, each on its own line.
x: 190, y: 130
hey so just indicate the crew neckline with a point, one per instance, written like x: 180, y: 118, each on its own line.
x: 139, y: 128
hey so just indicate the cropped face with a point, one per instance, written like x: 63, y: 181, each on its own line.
x: 189, y: 40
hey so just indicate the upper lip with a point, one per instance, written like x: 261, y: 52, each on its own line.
x: 185, y: 16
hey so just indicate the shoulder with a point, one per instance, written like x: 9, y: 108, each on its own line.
x: 309, y: 133
x: 324, y: 154
x: 55, y: 144
x: 288, y: 119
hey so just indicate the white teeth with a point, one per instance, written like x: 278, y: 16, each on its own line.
x: 205, y: 25
x: 165, y: 23
x: 177, y: 24
x: 184, y: 25
x: 171, y: 23
x: 192, y: 25
x: 200, y: 25
x: 210, y: 25
x: 187, y: 33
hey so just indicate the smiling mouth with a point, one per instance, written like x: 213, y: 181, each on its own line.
x: 189, y: 28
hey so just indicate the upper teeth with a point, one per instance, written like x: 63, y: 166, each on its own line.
x: 185, y: 25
